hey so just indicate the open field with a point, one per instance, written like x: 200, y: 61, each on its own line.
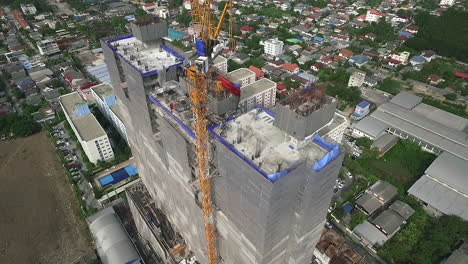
x: 38, y: 220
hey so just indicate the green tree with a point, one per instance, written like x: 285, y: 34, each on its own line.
x: 184, y: 18
x: 451, y: 96
x: 390, y: 86
x: 357, y: 218
x: 17, y: 93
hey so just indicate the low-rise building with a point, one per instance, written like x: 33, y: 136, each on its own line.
x: 28, y: 9
x: 357, y: 78
x: 262, y: 93
x: 376, y: 196
x: 273, y: 47
x: 242, y: 77
x: 362, y: 109
x: 48, y: 47
x: 443, y: 189
x: 88, y: 131
x: 220, y: 63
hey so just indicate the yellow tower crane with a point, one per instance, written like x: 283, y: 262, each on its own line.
x: 206, y: 36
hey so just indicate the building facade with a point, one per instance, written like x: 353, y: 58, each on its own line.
x: 48, y: 47
x: 242, y: 77
x: 88, y: 131
x: 262, y: 93
x: 273, y: 47
x: 220, y: 63
x: 109, y: 106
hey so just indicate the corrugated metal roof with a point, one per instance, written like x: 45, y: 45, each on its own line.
x: 369, y: 203
x: 445, y: 118
x: 370, y: 233
x: 402, y: 209
x: 406, y: 100
x: 450, y: 170
x: 423, y: 128
x: 371, y: 126
x: 388, y: 221
x: 440, y: 197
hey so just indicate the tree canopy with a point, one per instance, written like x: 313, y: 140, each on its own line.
x: 445, y: 34
x: 18, y: 125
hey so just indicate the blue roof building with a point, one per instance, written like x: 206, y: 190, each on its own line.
x: 415, y: 60
x: 358, y: 60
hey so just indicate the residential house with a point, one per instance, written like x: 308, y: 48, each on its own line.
x: 317, y: 66
x: 374, y: 16
x: 416, y: 60
x: 428, y: 55
x: 241, y: 58
x: 259, y: 74
x: 434, y: 79
x: 358, y: 60
x: 291, y: 67
x: 356, y: 79
x: 346, y: 53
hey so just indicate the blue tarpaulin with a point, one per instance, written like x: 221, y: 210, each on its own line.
x: 333, y: 152
x: 200, y: 44
x: 347, y: 208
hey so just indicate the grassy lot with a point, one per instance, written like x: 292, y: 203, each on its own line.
x: 401, y: 166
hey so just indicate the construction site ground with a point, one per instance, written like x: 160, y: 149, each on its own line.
x: 38, y: 221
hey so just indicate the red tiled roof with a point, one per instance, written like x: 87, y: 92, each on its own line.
x: 434, y: 77
x: 87, y: 85
x: 346, y: 52
x: 150, y: 4
x: 20, y: 19
x: 280, y: 86
x: 394, y: 61
x: 258, y: 72
x: 247, y: 28
x: 291, y: 67
x: 376, y: 13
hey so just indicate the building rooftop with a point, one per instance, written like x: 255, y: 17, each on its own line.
x: 370, y: 233
x: 445, y: 185
x: 112, y: 242
x: 371, y: 126
x: 384, y: 190
x: 256, y: 88
x: 388, y: 222
x: 445, y: 118
x: 369, y: 203
x: 402, y: 209
x: 270, y: 149
x: 421, y: 127
x: 145, y: 58
x: 103, y: 90
x: 406, y: 100
x: 239, y: 74
x: 460, y: 255
x: 84, y: 122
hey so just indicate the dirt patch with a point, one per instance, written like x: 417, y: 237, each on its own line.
x: 38, y: 220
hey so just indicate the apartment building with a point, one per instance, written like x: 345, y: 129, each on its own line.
x: 273, y: 47
x: 88, y: 131
x: 48, y: 47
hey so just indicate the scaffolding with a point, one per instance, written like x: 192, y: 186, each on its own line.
x: 306, y: 101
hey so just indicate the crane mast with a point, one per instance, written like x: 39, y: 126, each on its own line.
x: 206, y: 35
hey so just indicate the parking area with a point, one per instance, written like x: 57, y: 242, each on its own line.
x: 73, y: 158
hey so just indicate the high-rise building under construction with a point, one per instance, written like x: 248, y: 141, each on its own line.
x: 272, y: 172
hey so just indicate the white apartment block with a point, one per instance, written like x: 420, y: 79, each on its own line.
x: 273, y: 47
x: 220, y: 63
x: 109, y: 106
x: 48, y: 47
x: 28, y: 9
x: 447, y: 2
x: 242, y: 76
x: 374, y: 16
x: 88, y: 131
x: 357, y: 78
x: 262, y: 93
x: 402, y: 57
x: 338, y: 127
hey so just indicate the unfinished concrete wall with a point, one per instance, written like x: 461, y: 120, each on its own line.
x: 149, y: 32
x: 299, y: 126
x: 145, y: 231
x: 226, y: 105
